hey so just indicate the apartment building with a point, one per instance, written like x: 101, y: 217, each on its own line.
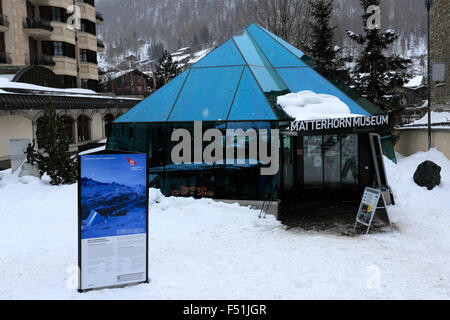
x: 41, y: 32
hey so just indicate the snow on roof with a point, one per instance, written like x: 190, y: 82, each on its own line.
x: 199, y: 54
x: 436, y: 117
x: 8, y: 77
x: 181, y: 50
x: 414, y: 82
x: 118, y: 74
x: 180, y: 58
x: 6, y: 84
x: 72, y: 92
x: 307, y: 105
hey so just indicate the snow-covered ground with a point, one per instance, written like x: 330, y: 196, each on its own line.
x: 201, y: 249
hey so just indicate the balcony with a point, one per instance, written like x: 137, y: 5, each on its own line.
x: 4, y: 23
x: 5, y: 58
x: 37, y: 26
x: 100, y: 45
x: 99, y: 17
x: 40, y: 59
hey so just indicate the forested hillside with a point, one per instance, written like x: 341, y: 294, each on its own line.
x: 204, y: 23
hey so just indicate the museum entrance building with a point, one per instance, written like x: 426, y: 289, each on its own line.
x: 235, y: 87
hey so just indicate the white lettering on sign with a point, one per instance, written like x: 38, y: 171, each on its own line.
x: 339, y: 123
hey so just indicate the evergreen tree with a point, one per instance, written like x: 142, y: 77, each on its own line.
x: 54, y: 140
x: 377, y: 75
x: 322, y: 50
x: 167, y: 68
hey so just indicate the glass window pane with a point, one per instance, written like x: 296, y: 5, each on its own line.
x: 349, y: 170
x: 313, y: 163
x: 158, y: 105
x: 276, y: 51
x: 250, y: 102
x: 268, y: 79
x: 225, y: 55
x: 250, y: 50
x: 331, y: 161
x: 207, y: 94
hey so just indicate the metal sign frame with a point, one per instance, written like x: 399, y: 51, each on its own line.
x: 80, y: 269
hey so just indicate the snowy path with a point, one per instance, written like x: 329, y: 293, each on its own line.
x: 200, y: 249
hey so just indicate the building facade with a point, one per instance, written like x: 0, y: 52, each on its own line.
x: 88, y: 118
x: 234, y: 91
x: 439, y: 52
x: 414, y: 137
x: 41, y: 32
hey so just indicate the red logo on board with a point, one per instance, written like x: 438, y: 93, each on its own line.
x: 131, y: 162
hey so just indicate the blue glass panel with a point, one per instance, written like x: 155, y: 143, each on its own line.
x: 299, y: 79
x: 225, y: 55
x: 268, y: 79
x: 287, y: 45
x: 278, y: 55
x: 250, y: 102
x: 250, y: 50
x: 157, y: 106
x: 207, y: 94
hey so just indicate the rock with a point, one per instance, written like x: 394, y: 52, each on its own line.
x: 428, y: 174
x: 30, y: 170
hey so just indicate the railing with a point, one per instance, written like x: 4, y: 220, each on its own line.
x: 37, y: 23
x: 99, y: 16
x: 4, y: 20
x: 36, y: 59
x: 5, y: 58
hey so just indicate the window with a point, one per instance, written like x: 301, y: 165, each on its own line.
x: 88, y: 26
x: 68, y: 122
x: 58, y: 49
x: 56, y: 14
x: 109, y: 118
x: 83, y: 128
x: 83, y: 55
x: 331, y: 161
x: 88, y: 56
x: 84, y: 83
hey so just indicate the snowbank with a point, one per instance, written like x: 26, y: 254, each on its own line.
x: 202, y: 249
x: 307, y: 105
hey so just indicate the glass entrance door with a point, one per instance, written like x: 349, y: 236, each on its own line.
x: 313, y: 162
x: 330, y: 161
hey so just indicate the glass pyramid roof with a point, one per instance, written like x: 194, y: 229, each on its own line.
x: 240, y: 80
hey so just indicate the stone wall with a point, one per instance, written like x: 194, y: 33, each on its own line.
x: 440, y: 51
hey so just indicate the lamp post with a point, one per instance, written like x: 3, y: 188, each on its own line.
x: 429, y: 4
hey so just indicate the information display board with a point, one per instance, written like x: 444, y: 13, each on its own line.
x: 112, y: 220
x: 368, y: 207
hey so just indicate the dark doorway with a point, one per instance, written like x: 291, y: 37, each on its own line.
x: 109, y: 118
x: 83, y: 128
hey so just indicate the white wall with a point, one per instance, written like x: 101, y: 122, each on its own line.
x: 13, y: 127
x: 415, y: 140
